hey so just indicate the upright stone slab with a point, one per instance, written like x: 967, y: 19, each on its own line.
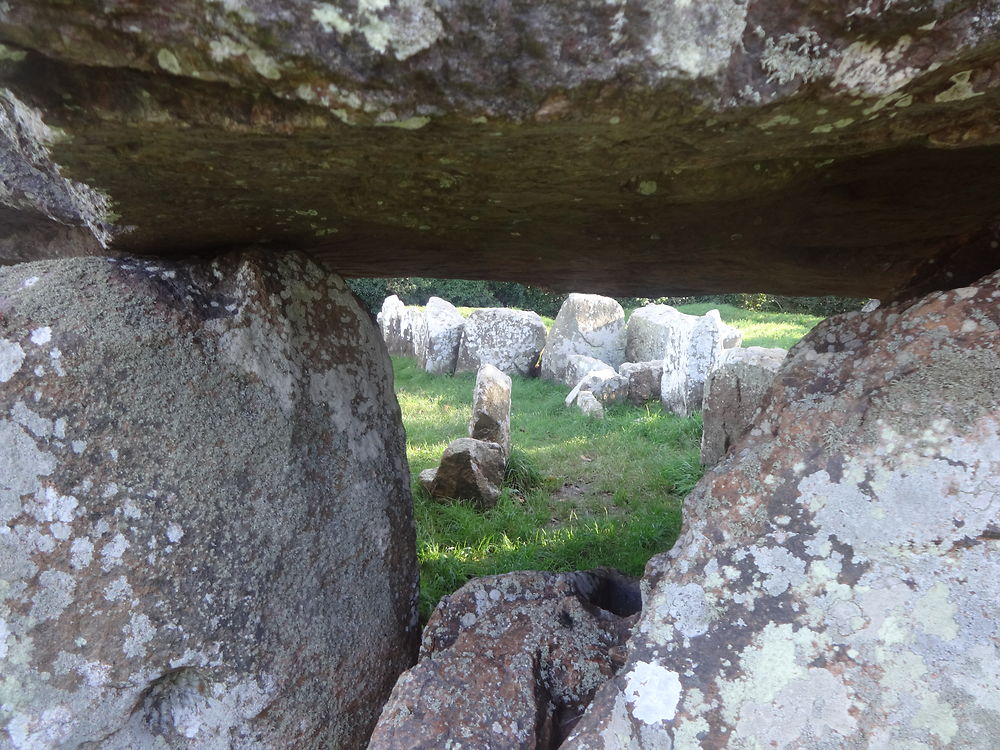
x: 491, y: 408
x: 390, y: 321
x: 415, y: 332
x: 682, y: 384
x: 510, y: 340
x: 206, y: 538
x: 579, y: 366
x: 444, y: 335
x: 837, y: 579
x: 734, y: 392
x: 643, y: 380
x: 586, y: 324
x: 655, y: 331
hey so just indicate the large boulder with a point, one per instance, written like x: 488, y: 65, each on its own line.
x: 510, y: 661
x: 510, y: 340
x: 733, y: 393
x: 491, y: 408
x: 655, y: 331
x: 445, y: 325
x: 390, y: 321
x: 415, y: 333
x: 643, y: 148
x: 470, y: 470
x: 682, y: 383
x: 587, y: 324
x: 206, y: 536
x: 837, y: 579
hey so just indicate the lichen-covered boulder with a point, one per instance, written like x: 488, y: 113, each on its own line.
x: 444, y: 335
x: 654, y: 331
x: 491, y: 408
x: 469, y: 470
x: 510, y: 661
x: 390, y: 321
x: 643, y: 380
x: 510, y: 340
x: 837, y: 580
x: 206, y: 538
x: 682, y: 384
x: 415, y: 333
x: 733, y: 393
x: 587, y: 324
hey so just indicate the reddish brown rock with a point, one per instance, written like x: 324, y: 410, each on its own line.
x: 509, y: 662
x: 837, y: 579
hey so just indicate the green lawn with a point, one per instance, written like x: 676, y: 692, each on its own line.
x: 581, y: 492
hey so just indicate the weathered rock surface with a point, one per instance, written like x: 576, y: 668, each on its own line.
x: 682, y: 384
x: 733, y: 394
x: 836, y: 582
x: 510, y: 340
x: 445, y: 325
x: 643, y: 380
x: 510, y: 661
x: 654, y: 331
x: 491, y: 408
x: 415, y: 332
x: 587, y: 324
x: 579, y: 366
x: 699, y: 147
x: 607, y: 386
x: 390, y: 320
x: 587, y: 403
x: 469, y: 470
x: 206, y: 537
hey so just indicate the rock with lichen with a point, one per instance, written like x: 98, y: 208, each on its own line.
x: 511, y: 661
x: 643, y: 380
x: 510, y: 340
x: 836, y: 581
x: 445, y: 325
x: 688, y: 365
x: 587, y: 324
x: 199, y: 463
x: 470, y: 470
x: 491, y: 408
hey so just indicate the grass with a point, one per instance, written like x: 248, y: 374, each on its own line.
x: 579, y: 492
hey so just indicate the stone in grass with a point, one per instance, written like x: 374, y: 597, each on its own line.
x: 607, y: 386
x: 469, y: 470
x: 491, y: 408
x: 390, y: 321
x: 643, y: 380
x: 587, y: 324
x: 510, y: 340
x: 511, y: 661
x: 589, y: 405
x: 579, y: 366
x: 445, y: 325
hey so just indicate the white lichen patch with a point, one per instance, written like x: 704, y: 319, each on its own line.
x: 405, y: 26
x: 868, y: 69
x: 53, y: 595
x: 653, y: 692
x: 138, y: 632
x: 111, y: 553
x: 961, y: 89
x: 11, y: 359
x: 42, y: 335
x: 168, y: 61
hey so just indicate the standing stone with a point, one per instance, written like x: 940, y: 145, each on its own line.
x: 491, y: 408
x: 682, y: 384
x: 643, y: 380
x: 733, y: 394
x: 415, y: 332
x: 469, y: 470
x: 444, y: 335
x: 390, y: 321
x: 586, y: 324
x: 510, y: 340
x: 206, y: 537
x: 654, y: 331
x: 510, y: 661
x: 837, y: 583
